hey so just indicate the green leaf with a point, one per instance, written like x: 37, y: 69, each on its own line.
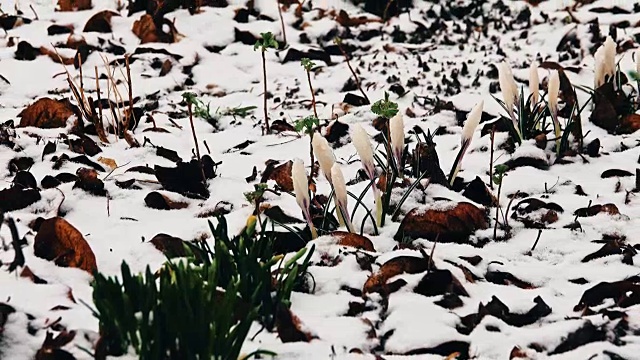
x: 385, y: 107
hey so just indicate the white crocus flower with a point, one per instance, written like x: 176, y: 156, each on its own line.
x: 301, y: 189
x: 324, y: 154
x: 362, y: 143
x: 340, y: 189
x: 473, y: 119
x: 509, y: 90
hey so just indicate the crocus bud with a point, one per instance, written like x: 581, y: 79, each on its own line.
x: 473, y: 119
x: 508, y: 87
x: 605, y: 62
x: 396, y: 128
x: 534, y: 83
x: 638, y: 61
x: 301, y: 189
x: 554, y: 90
x: 362, y: 143
x: 340, y: 189
x: 324, y: 154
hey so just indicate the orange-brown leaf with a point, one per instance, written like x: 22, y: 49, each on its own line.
x: 47, y: 113
x: 57, y: 240
x: 74, y: 5
x: 400, y: 265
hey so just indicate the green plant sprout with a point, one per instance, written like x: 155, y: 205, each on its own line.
x: 384, y: 107
x: 266, y: 41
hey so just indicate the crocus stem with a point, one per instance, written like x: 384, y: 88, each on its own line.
x: 556, y: 128
x: 379, y: 209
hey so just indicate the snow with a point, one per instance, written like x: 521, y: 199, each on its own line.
x: 232, y: 78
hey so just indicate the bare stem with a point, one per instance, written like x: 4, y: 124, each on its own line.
x: 493, y: 135
x: 284, y: 33
x: 264, y: 72
x: 195, y: 140
x: 355, y: 76
x: 128, y: 118
x: 315, y: 113
x: 495, y: 228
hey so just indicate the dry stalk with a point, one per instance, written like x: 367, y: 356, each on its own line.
x: 195, y: 140
x: 355, y: 76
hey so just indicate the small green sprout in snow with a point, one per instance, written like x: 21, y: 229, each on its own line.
x: 307, y: 124
x: 307, y: 64
x: 385, y: 108
x: 266, y: 41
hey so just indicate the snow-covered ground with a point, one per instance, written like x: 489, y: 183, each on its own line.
x: 423, y: 50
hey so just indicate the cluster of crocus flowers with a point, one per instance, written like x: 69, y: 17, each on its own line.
x: 605, y: 62
x: 362, y: 143
x: 333, y: 174
x: 554, y: 90
x: 509, y: 90
x: 301, y: 190
x: 473, y: 119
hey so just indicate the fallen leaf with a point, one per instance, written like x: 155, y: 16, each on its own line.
x: 47, y: 113
x: 452, y: 225
x: 478, y: 192
x: 353, y: 240
x: 108, y: 161
x: 100, y: 22
x: 16, y: 198
x: 289, y: 327
x: 281, y: 174
x: 594, y: 210
x: 586, y: 334
x: 58, y: 241
x: 399, y: 265
x: 74, y: 5
x: 615, y: 173
x: 440, y: 282
x: 625, y: 293
x: 146, y: 30
x: 505, y: 278
x: 345, y: 20
x: 158, y: 201
x: 88, y: 181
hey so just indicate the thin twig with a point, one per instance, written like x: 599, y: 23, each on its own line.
x: 493, y: 136
x: 284, y: 33
x: 264, y: 72
x: 536, y: 242
x: 433, y: 250
x: 131, y: 116
x: 346, y: 57
x: 195, y: 140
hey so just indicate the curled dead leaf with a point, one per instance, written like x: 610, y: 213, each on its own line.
x: 58, y: 241
x: 610, y: 209
x: 158, y: 201
x: 452, y: 225
x: 281, y: 174
x: 377, y: 282
x: 353, y: 240
x: 47, y: 113
x: 100, y: 22
x: 147, y: 31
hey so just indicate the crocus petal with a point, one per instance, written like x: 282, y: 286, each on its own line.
x: 324, y: 154
x: 396, y: 127
x: 362, y: 143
